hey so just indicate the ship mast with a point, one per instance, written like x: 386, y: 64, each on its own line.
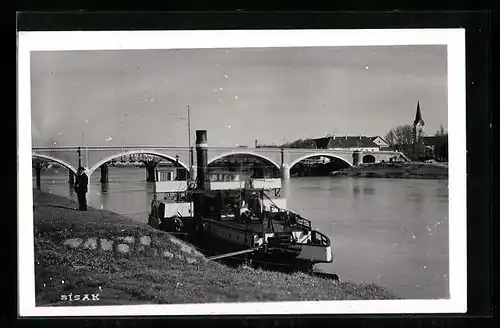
x: 190, y: 156
x: 241, y: 193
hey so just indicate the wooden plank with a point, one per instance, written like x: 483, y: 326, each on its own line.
x: 222, y: 256
x: 184, y: 209
x: 325, y: 275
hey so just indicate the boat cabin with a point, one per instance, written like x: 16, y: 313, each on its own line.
x: 166, y: 174
x: 248, y: 207
x: 176, y: 192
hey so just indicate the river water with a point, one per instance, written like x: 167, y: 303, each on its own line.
x: 392, y: 232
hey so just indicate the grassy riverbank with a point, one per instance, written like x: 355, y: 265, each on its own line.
x: 397, y: 170
x: 101, y: 252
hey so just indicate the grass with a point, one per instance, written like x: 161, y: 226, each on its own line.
x: 142, y: 277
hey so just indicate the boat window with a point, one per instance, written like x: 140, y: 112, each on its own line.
x: 164, y: 175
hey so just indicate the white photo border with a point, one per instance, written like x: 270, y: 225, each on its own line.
x: 454, y: 39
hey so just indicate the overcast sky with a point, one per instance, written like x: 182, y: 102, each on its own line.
x: 140, y: 97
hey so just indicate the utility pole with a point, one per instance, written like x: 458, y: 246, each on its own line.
x: 189, y: 137
x: 80, y: 155
x: 190, y: 173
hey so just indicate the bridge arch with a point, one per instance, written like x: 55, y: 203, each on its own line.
x: 368, y: 158
x: 317, y: 155
x: 133, y: 152
x: 56, y: 160
x: 244, y: 153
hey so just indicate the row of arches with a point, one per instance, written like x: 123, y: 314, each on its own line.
x: 264, y: 161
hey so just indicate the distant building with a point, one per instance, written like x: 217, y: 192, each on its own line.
x: 434, y: 147
x: 418, y: 125
x: 428, y: 147
x: 361, y: 143
x: 381, y: 143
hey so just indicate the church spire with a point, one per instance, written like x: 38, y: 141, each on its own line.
x: 418, y: 117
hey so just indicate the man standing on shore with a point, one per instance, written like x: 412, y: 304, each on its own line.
x: 81, y: 189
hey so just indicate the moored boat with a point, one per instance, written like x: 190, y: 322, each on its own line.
x: 237, y: 215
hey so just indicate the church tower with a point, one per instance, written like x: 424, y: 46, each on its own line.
x: 418, y: 123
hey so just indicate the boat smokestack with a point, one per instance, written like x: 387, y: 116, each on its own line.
x: 202, y: 159
x: 201, y: 176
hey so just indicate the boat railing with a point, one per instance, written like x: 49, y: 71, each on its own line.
x: 303, y: 222
x: 319, y: 238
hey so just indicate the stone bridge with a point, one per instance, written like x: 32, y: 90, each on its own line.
x: 92, y: 157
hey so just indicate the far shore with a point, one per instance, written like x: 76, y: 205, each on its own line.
x: 403, y: 170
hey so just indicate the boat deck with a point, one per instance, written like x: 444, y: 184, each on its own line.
x: 255, y: 225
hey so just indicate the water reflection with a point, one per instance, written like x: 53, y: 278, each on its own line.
x: 368, y: 190
x: 104, y: 187
x: 104, y: 194
x: 72, y: 192
x: 356, y: 190
x: 285, y: 188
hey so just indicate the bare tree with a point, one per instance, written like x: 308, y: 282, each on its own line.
x: 441, y: 132
x: 391, y: 138
x: 300, y: 143
x: 401, y: 135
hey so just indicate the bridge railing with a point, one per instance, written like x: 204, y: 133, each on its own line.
x: 238, y: 149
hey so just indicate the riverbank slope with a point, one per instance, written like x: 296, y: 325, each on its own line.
x: 123, y: 262
x: 397, y: 170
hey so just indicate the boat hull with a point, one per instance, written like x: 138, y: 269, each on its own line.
x: 321, y: 254
x: 231, y: 239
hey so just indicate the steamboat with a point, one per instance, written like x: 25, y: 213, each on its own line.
x: 236, y: 217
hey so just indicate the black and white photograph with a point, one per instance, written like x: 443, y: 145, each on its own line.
x: 242, y: 172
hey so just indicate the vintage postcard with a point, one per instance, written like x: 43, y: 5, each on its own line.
x: 242, y: 172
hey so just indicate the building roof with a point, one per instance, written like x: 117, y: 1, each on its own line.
x: 345, y: 142
x: 373, y: 138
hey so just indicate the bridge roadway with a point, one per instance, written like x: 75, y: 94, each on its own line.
x: 94, y: 157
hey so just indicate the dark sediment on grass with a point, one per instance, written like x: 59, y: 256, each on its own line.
x: 124, y: 262
x: 397, y: 171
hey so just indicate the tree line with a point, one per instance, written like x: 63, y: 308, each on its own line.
x: 300, y: 143
x: 398, y: 138
x: 401, y: 137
